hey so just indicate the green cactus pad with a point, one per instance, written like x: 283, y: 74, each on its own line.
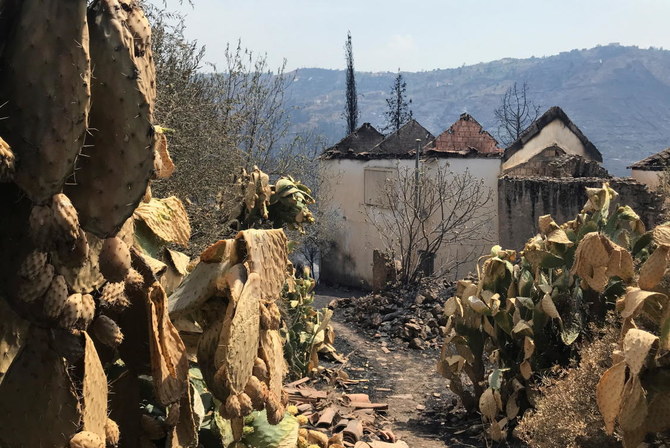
x: 117, y: 163
x: 46, y: 114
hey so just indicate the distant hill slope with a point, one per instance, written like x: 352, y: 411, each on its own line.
x: 618, y: 96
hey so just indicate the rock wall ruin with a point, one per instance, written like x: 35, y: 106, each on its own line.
x: 522, y: 200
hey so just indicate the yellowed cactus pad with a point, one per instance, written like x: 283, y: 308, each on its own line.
x: 266, y: 255
x: 653, y: 269
x: 168, y: 354
x: 636, y: 346
x: 635, y: 298
x: 94, y: 391
x: 661, y: 234
x: 609, y: 394
x: 487, y: 405
x: 166, y: 218
x: 272, y: 352
x: 163, y: 164
x: 633, y: 405
x: 241, y: 336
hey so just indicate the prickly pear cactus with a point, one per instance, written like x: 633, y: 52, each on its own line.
x: 525, y: 313
x: 45, y: 84
x: 241, y: 361
x: 72, y: 298
x: 117, y: 163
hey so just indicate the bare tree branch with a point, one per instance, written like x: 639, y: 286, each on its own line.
x: 516, y: 112
x: 452, y: 209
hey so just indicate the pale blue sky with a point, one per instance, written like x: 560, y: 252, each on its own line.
x: 421, y: 34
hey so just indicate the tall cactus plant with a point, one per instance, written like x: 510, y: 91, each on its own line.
x: 84, y: 315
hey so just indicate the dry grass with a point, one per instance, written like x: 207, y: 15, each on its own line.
x: 566, y: 414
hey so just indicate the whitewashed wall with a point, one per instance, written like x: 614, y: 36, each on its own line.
x: 555, y: 133
x: 649, y: 178
x: 351, y: 261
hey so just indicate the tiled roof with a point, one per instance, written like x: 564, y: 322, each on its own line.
x: 361, y: 140
x: 535, y: 127
x: 466, y: 134
x: 655, y: 162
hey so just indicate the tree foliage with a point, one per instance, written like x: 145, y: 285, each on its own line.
x: 220, y: 119
x: 398, y: 112
x: 351, y: 107
x: 515, y: 113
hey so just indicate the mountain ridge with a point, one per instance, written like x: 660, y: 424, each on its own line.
x: 619, y: 96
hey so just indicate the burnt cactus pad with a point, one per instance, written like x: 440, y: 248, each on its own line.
x: 46, y: 114
x: 113, y: 177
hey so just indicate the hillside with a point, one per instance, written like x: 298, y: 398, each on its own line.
x: 619, y: 96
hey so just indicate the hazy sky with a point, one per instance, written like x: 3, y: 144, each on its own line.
x: 421, y: 34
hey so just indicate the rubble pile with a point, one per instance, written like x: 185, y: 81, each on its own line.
x: 404, y: 314
x: 333, y: 419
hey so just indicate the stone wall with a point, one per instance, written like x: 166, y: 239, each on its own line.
x: 522, y: 200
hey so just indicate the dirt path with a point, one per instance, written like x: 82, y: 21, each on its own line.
x: 404, y: 378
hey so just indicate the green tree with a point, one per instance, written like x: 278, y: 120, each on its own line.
x: 351, y: 107
x: 399, y: 111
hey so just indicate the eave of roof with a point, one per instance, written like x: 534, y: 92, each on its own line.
x: 655, y: 162
x: 535, y: 127
x: 364, y: 156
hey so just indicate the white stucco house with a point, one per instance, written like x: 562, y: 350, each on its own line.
x: 552, y: 135
x: 359, y: 165
x: 649, y: 170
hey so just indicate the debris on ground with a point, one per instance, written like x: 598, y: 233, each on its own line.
x: 333, y: 418
x: 410, y: 314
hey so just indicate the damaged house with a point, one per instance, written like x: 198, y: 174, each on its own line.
x: 650, y: 170
x: 357, y: 175
x: 545, y: 171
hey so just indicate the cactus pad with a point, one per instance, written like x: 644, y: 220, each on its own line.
x: 114, y: 175
x: 87, y: 439
x: 86, y: 277
x: 94, y: 393
x: 66, y: 221
x: 653, y: 269
x: 114, y: 295
x: 38, y: 375
x: 636, y: 347
x: 31, y: 290
x: 240, y: 337
x: 107, y: 331
x: 114, y: 259
x: 13, y: 332
x: 163, y: 164
x: 71, y: 311
x: 266, y: 255
x: 112, y: 434
x: 47, y: 114
x: 55, y: 297
x: 169, y: 365
x: 40, y: 224
x: 167, y: 219
x: 33, y: 264
x: 272, y: 352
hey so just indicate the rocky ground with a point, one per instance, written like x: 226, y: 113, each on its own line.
x: 388, y: 364
x: 409, y: 316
